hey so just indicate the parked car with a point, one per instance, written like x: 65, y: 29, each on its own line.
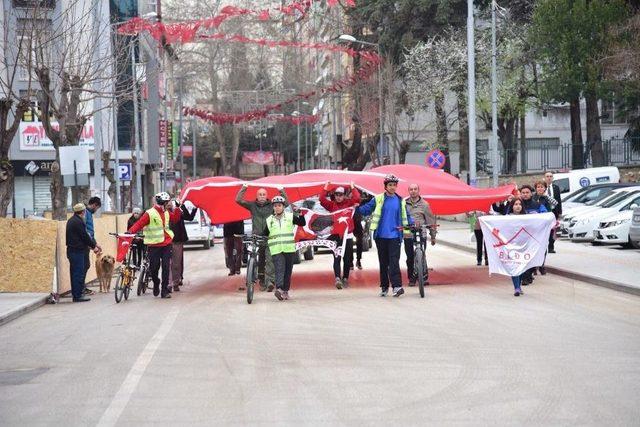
x: 200, y: 231
x: 634, y: 229
x: 582, y: 226
x: 614, y: 230
x: 571, y: 181
x: 569, y: 214
x: 587, y: 194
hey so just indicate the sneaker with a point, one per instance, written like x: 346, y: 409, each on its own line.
x: 278, y: 294
x: 552, y: 251
x: 479, y: 263
x: 517, y: 292
x: 237, y: 272
x: 156, y: 289
x: 271, y: 287
x: 167, y: 295
x: 242, y: 288
x: 338, y: 283
x: 384, y: 292
x: 412, y: 283
x: 345, y: 283
x: 358, y: 265
x: 263, y: 287
x: 486, y: 262
x: 285, y: 295
x: 398, y: 291
x: 231, y: 273
x: 81, y: 299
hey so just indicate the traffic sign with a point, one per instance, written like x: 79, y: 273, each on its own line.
x: 436, y: 159
x: 124, y: 171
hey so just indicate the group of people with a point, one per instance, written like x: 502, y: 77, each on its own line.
x: 542, y: 196
x: 390, y: 215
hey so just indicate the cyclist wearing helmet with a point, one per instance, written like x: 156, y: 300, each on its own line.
x: 155, y: 225
x: 260, y: 210
x: 136, y: 213
x: 389, y: 213
x: 282, y: 246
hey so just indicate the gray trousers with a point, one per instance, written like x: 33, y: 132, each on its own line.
x: 283, y: 263
x: 177, y: 263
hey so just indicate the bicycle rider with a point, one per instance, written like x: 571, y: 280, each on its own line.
x: 421, y: 213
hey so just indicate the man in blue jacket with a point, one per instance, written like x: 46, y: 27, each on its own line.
x: 93, y: 205
x: 389, y: 213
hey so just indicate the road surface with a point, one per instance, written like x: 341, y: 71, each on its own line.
x: 470, y: 353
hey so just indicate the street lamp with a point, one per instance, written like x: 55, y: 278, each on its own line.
x: 350, y: 39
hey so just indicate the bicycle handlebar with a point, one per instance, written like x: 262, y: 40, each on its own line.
x: 126, y: 235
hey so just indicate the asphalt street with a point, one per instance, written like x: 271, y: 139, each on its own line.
x: 566, y: 353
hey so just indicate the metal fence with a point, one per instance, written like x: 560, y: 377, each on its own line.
x: 540, y: 155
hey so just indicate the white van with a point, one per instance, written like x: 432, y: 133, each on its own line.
x: 571, y: 181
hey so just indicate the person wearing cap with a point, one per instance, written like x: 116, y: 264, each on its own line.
x: 422, y: 215
x: 155, y: 225
x: 78, y: 243
x: 261, y: 209
x: 279, y: 227
x: 341, y: 202
x: 138, y: 249
x: 389, y: 214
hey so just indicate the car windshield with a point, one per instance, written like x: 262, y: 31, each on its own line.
x: 600, y: 198
x: 572, y: 197
x: 617, y: 199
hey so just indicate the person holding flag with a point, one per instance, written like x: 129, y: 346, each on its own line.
x: 341, y: 202
x: 282, y: 246
x: 389, y: 214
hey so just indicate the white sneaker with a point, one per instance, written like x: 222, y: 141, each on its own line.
x: 338, y: 283
x: 398, y: 291
x: 285, y: 295
x: 384, y: 292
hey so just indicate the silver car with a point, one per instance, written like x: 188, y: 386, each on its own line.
x: 634, y: 230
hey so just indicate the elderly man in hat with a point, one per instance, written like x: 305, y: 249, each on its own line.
x: 78, y: 244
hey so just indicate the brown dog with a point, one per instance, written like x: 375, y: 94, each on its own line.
x: 104, y: 271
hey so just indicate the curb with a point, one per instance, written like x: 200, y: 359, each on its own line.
x: 23, y: 309
x: 610, y: 284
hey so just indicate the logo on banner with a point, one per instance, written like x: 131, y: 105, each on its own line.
x: 518, y: 247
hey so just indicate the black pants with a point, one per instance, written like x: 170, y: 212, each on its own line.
x: 347, y: 258
x: 389, y: 259
x: 479, y: 246
x: 409, y: 252
x: 552, y: 240
x: 137, y: 253
x: 160, y: 255
x: 78, y: 271
x: 283, y: 265
x: 233, y: 253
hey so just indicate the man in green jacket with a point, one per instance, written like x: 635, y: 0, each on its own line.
x: 261, y: 209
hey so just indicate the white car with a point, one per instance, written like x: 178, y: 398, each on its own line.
x: 200, y: 230
x: 615, y: 229
x: 582, y: 226
x: 568, y: 215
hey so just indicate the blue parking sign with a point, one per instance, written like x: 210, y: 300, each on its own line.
x: 124, y: 171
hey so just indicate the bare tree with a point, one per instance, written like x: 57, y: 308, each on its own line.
x: 73, y: 73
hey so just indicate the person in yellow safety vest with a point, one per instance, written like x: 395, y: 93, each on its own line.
x: 155, y: 225
x: 389, y: 213
x: 280, y: 228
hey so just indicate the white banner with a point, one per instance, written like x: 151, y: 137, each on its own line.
x: 32, y: 136
x: 516, y: 243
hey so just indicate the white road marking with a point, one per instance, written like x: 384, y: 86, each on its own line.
x: 122, y: 397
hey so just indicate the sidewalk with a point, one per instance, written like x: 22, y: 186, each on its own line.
x: 14, y: 305
x: 607, y: 266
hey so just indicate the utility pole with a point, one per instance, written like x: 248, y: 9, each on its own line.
x: 97, y: 116
x: 494, y: 98
x: 136, y: 123
x: 116, y: 169
x: 180, y: 90
x: 298, y: 139
x: 472, y: 93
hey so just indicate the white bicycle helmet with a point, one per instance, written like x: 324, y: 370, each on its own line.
x: 277, y: 199
x: 390, y: 178
x: 162, y: 198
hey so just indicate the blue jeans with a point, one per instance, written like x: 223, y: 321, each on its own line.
x: 78, y: 271
x: 516, y: 281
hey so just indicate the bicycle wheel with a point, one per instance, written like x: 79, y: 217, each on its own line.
x: 141, y: 285
x: 119, y: 288
x: 419, y: 270
x: 127, y: 288
x: 252, y: 274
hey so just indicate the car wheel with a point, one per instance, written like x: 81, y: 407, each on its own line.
x: 207, y: 244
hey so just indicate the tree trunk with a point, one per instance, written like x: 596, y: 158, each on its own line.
x: 7, y: 182
x: 523, y: 144
x: 58, y: 192
x: 463, y: 130
x: 404, y: 149
x: 80, y: 194
x: 441, y: 123
x: 235, y: 145
x: 577, y: 147
x: 217, y: 129
x: 594, y: 134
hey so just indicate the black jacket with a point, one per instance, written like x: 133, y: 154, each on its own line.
x: 179, y: 230
x: 556, y: 195
x: 78, y: 238
x: 232, y: 228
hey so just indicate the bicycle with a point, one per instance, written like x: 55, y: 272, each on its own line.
x: 143, y: 280
x: 253, y: 243
x: 420, y: 267
x: 128, y: 270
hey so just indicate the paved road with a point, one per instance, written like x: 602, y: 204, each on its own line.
x: 564, y: 354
